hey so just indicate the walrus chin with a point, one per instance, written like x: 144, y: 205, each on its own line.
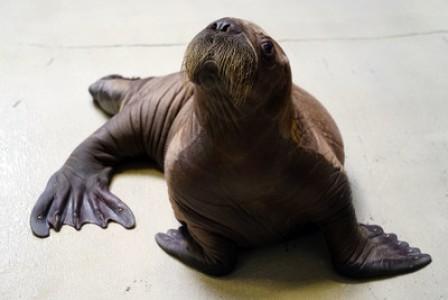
x: 223, y: 64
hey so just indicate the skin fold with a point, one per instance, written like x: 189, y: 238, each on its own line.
x: 249, y: 158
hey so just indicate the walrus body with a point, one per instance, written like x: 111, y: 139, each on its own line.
x: 249, y: 158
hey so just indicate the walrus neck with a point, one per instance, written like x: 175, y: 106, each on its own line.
x: 226, y: 123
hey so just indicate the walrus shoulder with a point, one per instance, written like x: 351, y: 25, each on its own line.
x: 314, y: 128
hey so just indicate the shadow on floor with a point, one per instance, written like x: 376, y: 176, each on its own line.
x: 301, y: 266
x: 300, y: 260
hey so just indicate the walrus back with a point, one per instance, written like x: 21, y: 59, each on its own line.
x: 155, y: 103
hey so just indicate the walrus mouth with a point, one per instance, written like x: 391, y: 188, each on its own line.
x: 226, y: 63
x: 206, y: 73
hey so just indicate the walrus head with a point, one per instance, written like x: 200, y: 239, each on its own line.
x: 237, y: 60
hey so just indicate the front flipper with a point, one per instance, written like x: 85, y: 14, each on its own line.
x: 217, y: 259
x: 381, y: 254
x: 74, y: 200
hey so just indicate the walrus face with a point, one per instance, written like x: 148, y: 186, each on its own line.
x: 237, y: 59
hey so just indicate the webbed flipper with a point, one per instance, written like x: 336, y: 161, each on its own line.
x: 74, y: 200
x: 218, y: 258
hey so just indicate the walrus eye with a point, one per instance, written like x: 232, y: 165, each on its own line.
x: 267, y: 47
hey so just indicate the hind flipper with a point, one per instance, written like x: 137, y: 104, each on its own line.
x: 79, y: 192
x: 108, y: 92
x: 72, y: 200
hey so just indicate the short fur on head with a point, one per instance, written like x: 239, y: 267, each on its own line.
x: 216, y: 60
x: 249, y: 64
x: 240, y: 76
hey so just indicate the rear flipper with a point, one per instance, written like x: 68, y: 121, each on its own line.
x: 79, y: 192
x: 218, y: 258
x: 108, y: 92
x: 76, y: 199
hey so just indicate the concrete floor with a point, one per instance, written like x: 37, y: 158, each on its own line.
x: 380, y: 67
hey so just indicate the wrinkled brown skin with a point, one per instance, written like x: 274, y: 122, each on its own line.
x: 241, y: 172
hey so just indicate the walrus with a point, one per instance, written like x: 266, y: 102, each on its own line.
x: 249, y: 158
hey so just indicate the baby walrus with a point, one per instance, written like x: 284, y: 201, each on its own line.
x: 249, y: 159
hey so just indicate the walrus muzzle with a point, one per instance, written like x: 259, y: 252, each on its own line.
x: 222, y: 63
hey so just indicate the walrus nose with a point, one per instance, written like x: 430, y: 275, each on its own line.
x: 226, y: 25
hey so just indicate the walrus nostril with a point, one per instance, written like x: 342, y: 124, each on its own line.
x: 225, y: 25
